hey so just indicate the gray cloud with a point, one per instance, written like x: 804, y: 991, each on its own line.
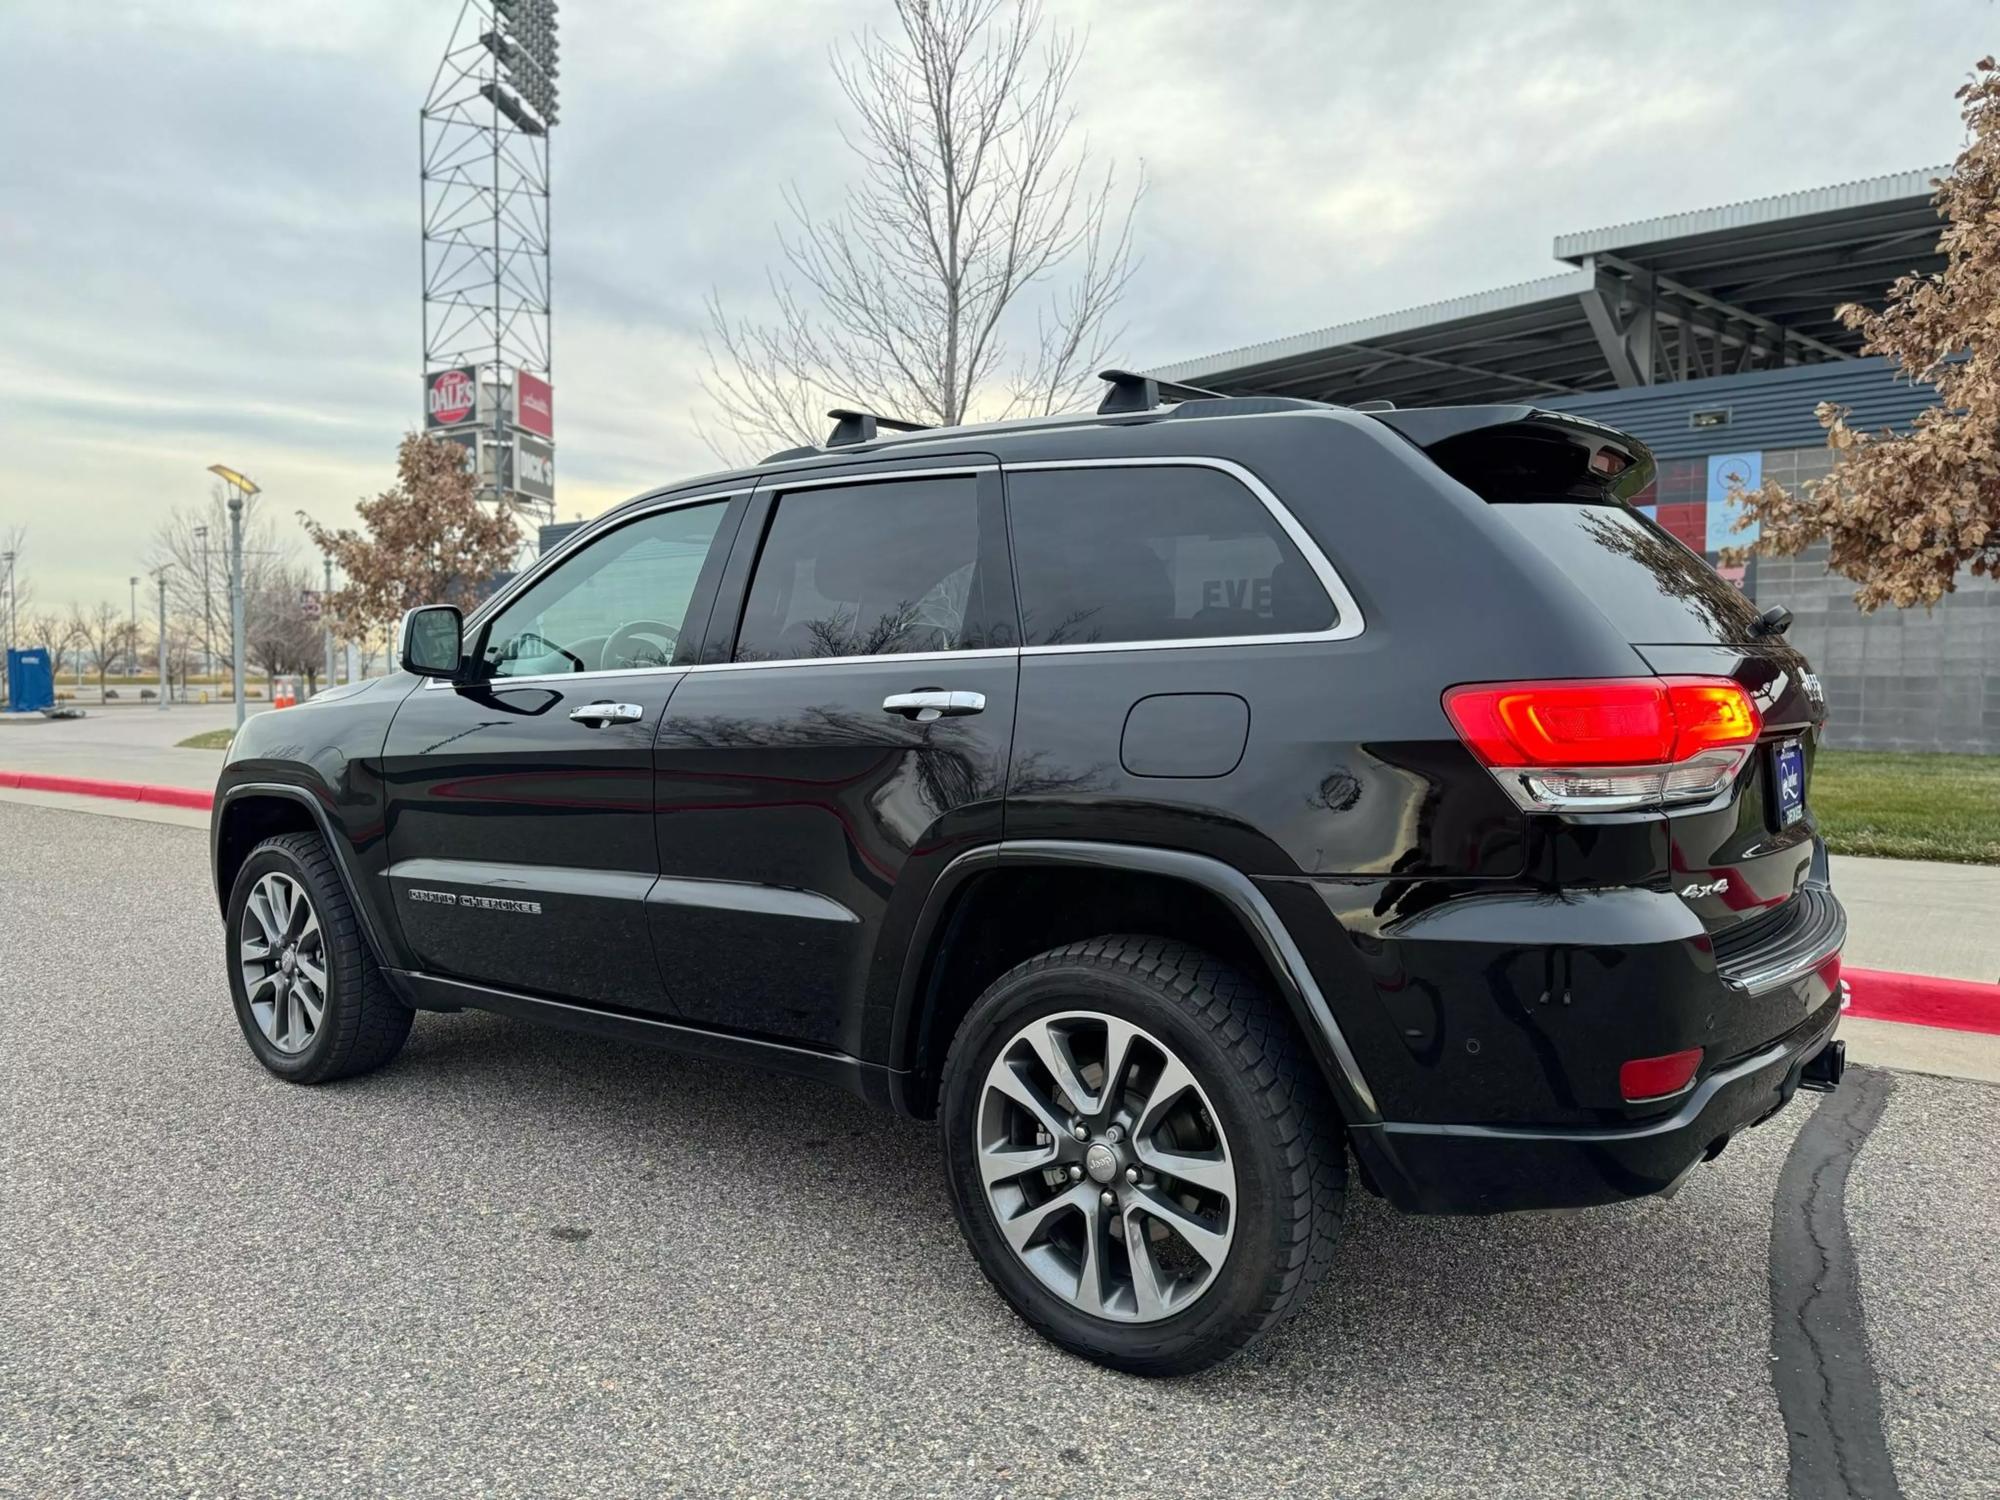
x: 208, y: 241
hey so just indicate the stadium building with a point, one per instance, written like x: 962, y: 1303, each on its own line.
x: 1711, y: 337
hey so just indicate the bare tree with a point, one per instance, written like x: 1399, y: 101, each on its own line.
x: 52, y: 633
x: 192, y: 543
x: 914, y: 298
x: 106, y: 634
x: 278, y: 637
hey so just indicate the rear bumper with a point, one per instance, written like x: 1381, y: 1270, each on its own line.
x: 1484, y: 1169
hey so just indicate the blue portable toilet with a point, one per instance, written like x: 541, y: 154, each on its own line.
x: 31, y: 685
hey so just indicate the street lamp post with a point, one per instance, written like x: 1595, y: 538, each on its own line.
x: 163, y: 638
x: 132, y: 636
x: 207, y: 628
x: 240, y: 489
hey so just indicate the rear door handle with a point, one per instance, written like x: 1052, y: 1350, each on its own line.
x: 597, y: 715
x: 934, y: 703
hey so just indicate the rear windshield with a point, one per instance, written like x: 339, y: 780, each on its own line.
x: 1648, y: 584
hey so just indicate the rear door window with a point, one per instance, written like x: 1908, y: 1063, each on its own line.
x: 1652, y: 588
x: 1107, y: 555
x: 868, y: 569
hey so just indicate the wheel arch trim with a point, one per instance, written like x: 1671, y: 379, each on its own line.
x: 1237, y: 892
x: 323, y: 821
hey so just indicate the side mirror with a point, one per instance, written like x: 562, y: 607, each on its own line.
x: 431, y: 641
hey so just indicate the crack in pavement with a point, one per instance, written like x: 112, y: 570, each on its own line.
x: 1825, y: 1381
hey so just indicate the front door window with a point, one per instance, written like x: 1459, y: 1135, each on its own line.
x: 619, y: 605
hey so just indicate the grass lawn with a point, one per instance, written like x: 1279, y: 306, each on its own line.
x: 208, y: 739
x: 1909, y: 805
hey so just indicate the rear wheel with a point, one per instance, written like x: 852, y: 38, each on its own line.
x: 309, y: 996
x: 1144, y: 1164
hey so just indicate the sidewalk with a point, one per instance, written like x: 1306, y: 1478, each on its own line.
x: 1917, y: 917
x: 120, y: 744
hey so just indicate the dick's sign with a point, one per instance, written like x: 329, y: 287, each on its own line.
x: 534, y: 467
x: 449, y: 397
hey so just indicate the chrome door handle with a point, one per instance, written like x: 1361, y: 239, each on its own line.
x: 934, y: 703
x: 597, y: 715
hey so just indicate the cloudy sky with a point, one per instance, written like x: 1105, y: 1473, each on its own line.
x: 208, y: 208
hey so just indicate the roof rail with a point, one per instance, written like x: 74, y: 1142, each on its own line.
x: 1130, y: 392
x: 860, y: 427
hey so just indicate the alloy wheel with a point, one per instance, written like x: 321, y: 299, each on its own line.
x: 1105, y: 1166
x: 282, y: 952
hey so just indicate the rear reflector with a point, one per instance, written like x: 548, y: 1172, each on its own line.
x: 1645, y: 1078
x: 1607, y: 742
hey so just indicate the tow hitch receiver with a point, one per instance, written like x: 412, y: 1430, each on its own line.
x: 1828, y: 1065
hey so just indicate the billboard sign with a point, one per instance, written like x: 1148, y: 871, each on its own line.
x: 534, y: 467
x: 534, y: 404
x: 450, y: 396
x: 1729, y: 473
x: 466, y: 438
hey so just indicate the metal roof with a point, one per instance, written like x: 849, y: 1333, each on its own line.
x: 1844, y: 197
x: 1686, y: 296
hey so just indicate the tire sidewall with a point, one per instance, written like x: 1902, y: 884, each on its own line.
x: 1242, y: 1283
x: 314, y: 1057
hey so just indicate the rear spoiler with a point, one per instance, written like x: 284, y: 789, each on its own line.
x: 1541, y: 454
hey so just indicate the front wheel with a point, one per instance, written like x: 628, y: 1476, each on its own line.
x: 311, y: 1001
x: 1141, y: 1159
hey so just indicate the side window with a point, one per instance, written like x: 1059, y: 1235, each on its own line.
x: 874, y: 569
x: 1154, y: 553
x: 618, y: 604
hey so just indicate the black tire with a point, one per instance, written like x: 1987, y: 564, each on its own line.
x: 362, y: 1024
x: 1267, y: 1096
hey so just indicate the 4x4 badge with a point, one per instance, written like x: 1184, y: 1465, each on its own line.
x: 1713, y: 888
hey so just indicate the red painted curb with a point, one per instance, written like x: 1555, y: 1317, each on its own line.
x: 122, y: 791
x: 1923, y: 1000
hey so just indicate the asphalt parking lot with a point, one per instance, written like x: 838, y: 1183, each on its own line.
x: 519, y: 1262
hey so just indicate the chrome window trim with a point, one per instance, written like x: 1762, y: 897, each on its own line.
x: 490, y: 684
x: 779, y: 484
x: 1347, y: 621
x: 881, y: 659
x: 1347, y: 625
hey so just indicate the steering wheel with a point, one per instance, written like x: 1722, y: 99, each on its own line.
x: 626, y: 649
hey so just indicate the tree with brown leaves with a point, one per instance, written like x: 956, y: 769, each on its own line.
x: 1904, y: 513
x: 426, y: 540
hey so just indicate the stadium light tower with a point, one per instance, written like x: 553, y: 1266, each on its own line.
x: 484, y: 141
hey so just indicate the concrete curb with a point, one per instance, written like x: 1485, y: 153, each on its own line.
x: 122, y: 791
x: 1923, y: 1000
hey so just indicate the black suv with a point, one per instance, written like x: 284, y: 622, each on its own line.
x: 1170, y: 801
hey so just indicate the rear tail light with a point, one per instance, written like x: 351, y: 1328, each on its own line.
x: 1607, y: 743
x: 1645, y: 1078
